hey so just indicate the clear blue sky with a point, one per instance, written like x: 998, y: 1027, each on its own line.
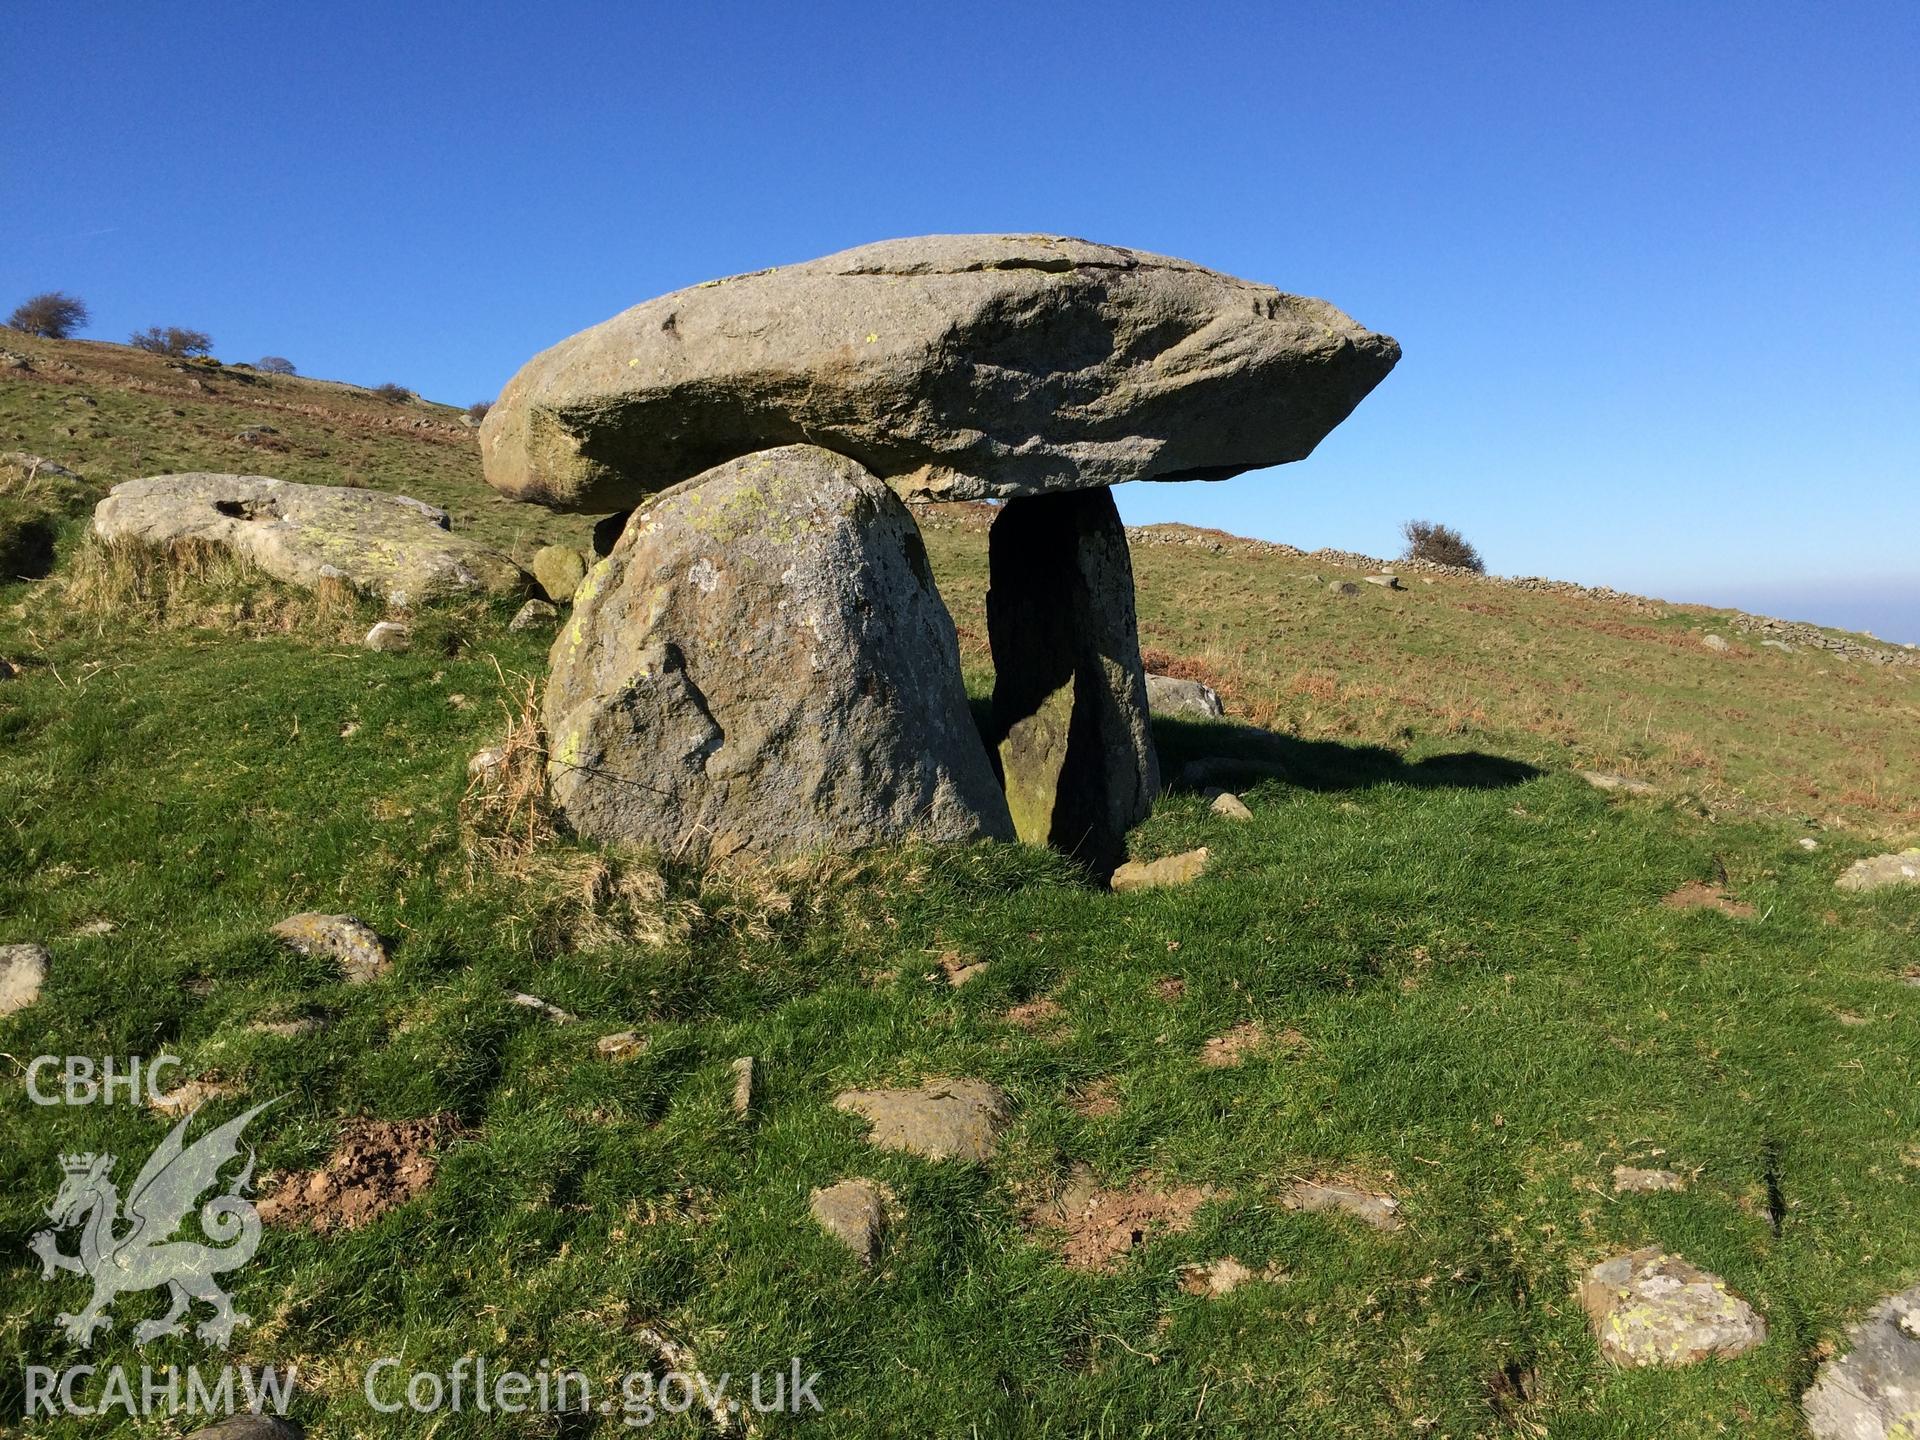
x: 1656, y: 269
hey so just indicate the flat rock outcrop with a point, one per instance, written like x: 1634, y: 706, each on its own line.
x: 1872, y: 1392
x: 763, y: 665
x: 955, y: 366
x: 389, y: 546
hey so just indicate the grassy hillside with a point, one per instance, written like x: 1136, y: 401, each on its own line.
x: 1464, y: 982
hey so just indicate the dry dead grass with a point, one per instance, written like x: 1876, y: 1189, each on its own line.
x: 192, y: 585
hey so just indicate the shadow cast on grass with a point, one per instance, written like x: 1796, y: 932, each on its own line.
x: 1197, y: 755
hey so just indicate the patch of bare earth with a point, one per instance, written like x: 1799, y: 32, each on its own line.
x: 1099, y: 1228
x: 1038, y: 1014
x: 377, y: 1166
x: 1097, y: 1101
x: 1250, y: 1038
x: 1696, y: 895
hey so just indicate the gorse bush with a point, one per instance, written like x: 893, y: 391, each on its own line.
x: 1441, y: 545
x: 54, y: 315
x: 274, y: 365
x: 172, y: 340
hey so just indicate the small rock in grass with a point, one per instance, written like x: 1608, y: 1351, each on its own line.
x: 959, y: 969
x: 1652, y: 1308
x: 191, y: 1096
x: 1872, y: 1392
x: 551, y: 1011
x: 1716, y: 642
x: 1382, y: 1212
x: 1881, y: 871
x: 743, y: 1076
x: 347, y: 940
x: 1780, y: 645
x: 23, y: 970
x: 93, y: 930
x: 389, y: 636
x: 1808, y: 843
x: 1626, y: 784
x: 1343, y: 587
x: 1385, y: 582
x: 1632, y: 1180
x: 535, y: 615
x: 1229, y: 806
x: 942, y: 1120
x: 246, y: 1425
x: 623, y: 1046
x: 487, y: 764
x: 1171, y: 870
x: 854, y: 1212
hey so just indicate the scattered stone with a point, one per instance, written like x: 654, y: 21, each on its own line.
x: 957, y: 366
x: 942, y: 1120
x: 1780, y: 645
x: 294, y: 1029
x: 559, y: 569
x: 854, y: 1212
x: 743, y: 1075
x: 1229, y: 806
x: 1631, y: 1180
x: 377, y: 1166
x: 1882, y: 871
x: 1808, y: 843
x: 93, y: 930
x: 551, y: 1011
x: 351, y: 942
x: 959, y: 969
x: 247, y: 1425
x: 23, y: 970
x: 1213, y: 1278
x: 1343, y: 587
x: 1385, y: 582
x: 1170, y: 870
x: 1070, y: 725
x: 1169, y: 695
x: 36, y: 467
x: 1697, y: 895
x: 1319, y: 1197
x: 621, y: 1047
x: 185, y: 1099
x: 764, y: 665
x: 1099, y: 1228
x: 389, y: 546
x: 1873, y: 1391
x: 487, y: 764
x: 1606, y: 780
x: 1716, y: 642
x: 535, y: 615
x: 1652, y: 1308
x: 390, y: 637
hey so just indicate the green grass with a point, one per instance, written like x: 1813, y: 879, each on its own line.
x: 1494, y: 1005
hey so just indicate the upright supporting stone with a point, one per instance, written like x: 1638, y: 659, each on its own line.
x: 1070, y: 731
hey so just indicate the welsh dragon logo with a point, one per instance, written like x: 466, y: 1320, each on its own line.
x: 137, y: 1249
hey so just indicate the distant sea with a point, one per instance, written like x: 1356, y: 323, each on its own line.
x: 1887, y: 609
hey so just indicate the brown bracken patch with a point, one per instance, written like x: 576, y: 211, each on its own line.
x: 378, y: 1165
x: 1695, y: 895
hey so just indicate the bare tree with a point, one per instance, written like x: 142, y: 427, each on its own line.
x: 1442, y: 545
x: 274, y: 365
x: 172, y: 340
x: 54, y: 315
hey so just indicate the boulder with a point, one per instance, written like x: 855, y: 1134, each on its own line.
x: 351, y: 943
x: 1070, y: 730
x: 559, y: 570
x: 941, y: 1120
x: 1652, y: 1308
x: 23, y: 970
x: 1168, y: 695
x: 764, y: 665
x: 1872, y: 1392
x: 1625, y: 784
x: 854, y: 1212
x: 1881, y: 871
x: 956, y: 366
x: 390, y: 637
x: 388, y: 546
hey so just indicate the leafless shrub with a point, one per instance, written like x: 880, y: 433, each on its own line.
x: 1441, y: 545
x: 172, y: 340
x: 53, y: 315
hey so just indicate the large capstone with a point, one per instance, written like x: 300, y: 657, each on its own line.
x: 956, y: 366
x: 1070, y: 729
x: 393, y: 547
x: 762, y: 664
